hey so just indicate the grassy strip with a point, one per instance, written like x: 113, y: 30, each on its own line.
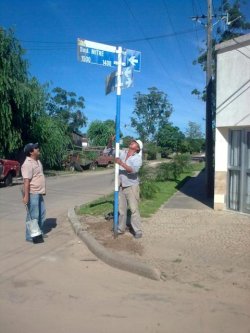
x: 101, y: 206
x: 104, y: 205
x: 166, y: 190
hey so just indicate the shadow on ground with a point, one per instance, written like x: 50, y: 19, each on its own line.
x: 49, y: 224
x: 195, y: 187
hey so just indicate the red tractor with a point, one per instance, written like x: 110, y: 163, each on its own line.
x: 8, y: 170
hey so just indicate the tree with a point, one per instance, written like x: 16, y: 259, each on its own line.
x: 100, y: 132
x: 53, y: 140
x: 193, y: 131
x: 21, y: 98
x: 151, y: 111
x: 195, y: 141
x: 126, y: 140
x: 23, y: 116
x: 170, y: 138
x: 67, y: 107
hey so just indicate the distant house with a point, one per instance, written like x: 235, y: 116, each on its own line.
x: 232, y: 140
x: 79, y: 139
x: 85, y: 142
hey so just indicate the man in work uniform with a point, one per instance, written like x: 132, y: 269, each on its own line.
x: 130, y: 162
x: 34, y: 186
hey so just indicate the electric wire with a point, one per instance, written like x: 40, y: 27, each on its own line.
x: 58, y: 46
x: 155, y: 53
x: 195, y: 14
x: 178, y: 41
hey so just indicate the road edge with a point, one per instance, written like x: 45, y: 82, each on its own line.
x: 113, y: 259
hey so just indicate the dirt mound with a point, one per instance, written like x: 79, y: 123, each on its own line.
x: 102, y: 231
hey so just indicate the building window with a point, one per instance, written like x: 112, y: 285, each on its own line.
x: 248, y: 171
x: 235, y: 151
x: 234, y: 189
x: 239, y: 170
x: 234, y: 169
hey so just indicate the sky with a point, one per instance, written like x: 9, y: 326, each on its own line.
x: 162, y: 30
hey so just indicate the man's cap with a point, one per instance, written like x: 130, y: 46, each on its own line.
x: 140, y: 144
x: 29, y: 147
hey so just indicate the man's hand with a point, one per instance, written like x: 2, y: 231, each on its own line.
x: 123, y: 164
x: 26, y: 190
x: 25, y: 199
x: 118, y: 161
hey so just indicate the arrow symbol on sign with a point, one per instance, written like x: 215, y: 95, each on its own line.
x: 127, y: 72
x: 128, y: 82
x: 133, y: 60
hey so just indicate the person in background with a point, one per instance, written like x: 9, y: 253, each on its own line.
x: 109, y: 149
x: 130, y: 162
x: 34, y: 186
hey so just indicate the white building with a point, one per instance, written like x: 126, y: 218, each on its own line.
x: 232, y: 137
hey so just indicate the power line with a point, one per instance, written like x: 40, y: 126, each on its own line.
x: 155, y: 53
x: 196, y: 30
x: 178, y: 42
x: 55, y: 45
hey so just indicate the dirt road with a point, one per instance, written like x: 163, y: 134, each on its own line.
x: 59, y: 286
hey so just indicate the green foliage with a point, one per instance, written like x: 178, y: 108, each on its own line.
x: 126, y: 141
x: 194, y: 141
x: 173, y: 170
x: 52, y: 138
x: 90, y: 155
x: 152, y: 150
x: 100, y: 132
x: 151, y: 110
x: 193, y: 131
x: 181, y: 163
x: 147, y: 206
x: 101, y: 206
x: 170, y: 138
x: 23, y: 116
x: 164, y: 172
x: 21, y: 98
x: 148, y: 187
x: 67, y: 107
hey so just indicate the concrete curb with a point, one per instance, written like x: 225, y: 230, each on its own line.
x: 113, y: 259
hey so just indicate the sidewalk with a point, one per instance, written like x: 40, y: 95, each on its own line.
x: 192, y: 195
x: 193, y: 244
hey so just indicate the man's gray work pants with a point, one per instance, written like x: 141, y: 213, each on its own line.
x: 129, y: 196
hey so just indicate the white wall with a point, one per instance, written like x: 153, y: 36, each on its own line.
x: 233, y: 85
x: 221, y: 149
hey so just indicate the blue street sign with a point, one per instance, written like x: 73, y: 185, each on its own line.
x: 132, y: 58
x: 127, y: 77
x: 96, y: 53
x: 110, y: 83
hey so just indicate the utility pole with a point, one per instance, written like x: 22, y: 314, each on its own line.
x: 209, y: 119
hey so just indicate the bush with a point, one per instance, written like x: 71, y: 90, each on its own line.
x: 164, y: 172
x: 148, y: 189
x: 182, y: 162
x: 172, y: 170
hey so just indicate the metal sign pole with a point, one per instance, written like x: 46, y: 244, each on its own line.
x: 117, y: 138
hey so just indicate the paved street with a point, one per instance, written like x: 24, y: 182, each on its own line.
x: 59, y: 286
